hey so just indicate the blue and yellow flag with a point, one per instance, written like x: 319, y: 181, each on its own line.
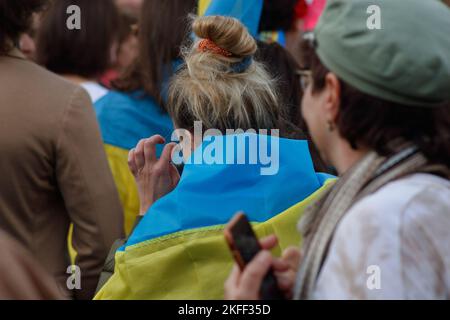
x: 273, y: 36
x: 247, y: 11
x: 178, y: 250
x: 124, y: 120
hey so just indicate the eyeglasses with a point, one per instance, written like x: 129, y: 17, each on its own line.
x: 305, y: 78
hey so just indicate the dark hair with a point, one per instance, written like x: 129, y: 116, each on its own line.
x: 372, y: 122
x: 283, y: 67
x: 126, y: 24
x: 277, y: 15
x: 15, y: 19
x: 85, y: 52
x: 162, y: 30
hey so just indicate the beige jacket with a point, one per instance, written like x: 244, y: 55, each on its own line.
x: 53, y: 172
x: 21, y: 277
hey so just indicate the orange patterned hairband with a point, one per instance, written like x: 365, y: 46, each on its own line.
x: 208, y: 45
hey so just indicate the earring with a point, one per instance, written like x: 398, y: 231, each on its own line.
x: 330, y: 126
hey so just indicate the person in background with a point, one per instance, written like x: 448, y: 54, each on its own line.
x: 136, y: 109
x: 180, y: 238
x: 285, y: 69
x: 127, y: 50
x: 128, y: 44
x: 279, y: 24
x: 378, y: 107
x: 80, y: 56
x: 130, y: 7
x: 53, y: 168
x: 313, y: 12
x: 27, y: 40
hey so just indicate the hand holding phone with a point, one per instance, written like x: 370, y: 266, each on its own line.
x: 245, y: 246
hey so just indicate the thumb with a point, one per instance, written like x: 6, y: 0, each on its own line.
x: 292, y: 257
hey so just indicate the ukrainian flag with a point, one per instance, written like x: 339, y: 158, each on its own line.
x: 178, y: 250
x: 273, y: 37
x: 247, y: 11
x: 124, y: 120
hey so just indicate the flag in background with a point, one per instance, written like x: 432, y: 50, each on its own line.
x: 307, y: 10
x: 246, y: 11
x: 202, y: 6
x: 272, y: 37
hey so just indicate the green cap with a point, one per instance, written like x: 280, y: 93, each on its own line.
x: 406, y: 61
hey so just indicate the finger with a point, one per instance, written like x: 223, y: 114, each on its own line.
x: 285, y: 281
x: 162, y: 166
x: 131, y: 162
x: 139, y: 155
x: 231, y: 285
x: 233, y: 279
x: 269, y: 242
x: 254, y: 273
x: 166, y: 155
x: 292, y: 257
x: 150, y: 148
x: 280, y: 265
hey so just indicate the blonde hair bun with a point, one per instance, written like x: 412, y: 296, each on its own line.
x: 227, y: 33
x: 210, y: 89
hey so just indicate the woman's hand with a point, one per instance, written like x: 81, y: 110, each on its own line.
x: 154, y: 177
x: 246, y: 285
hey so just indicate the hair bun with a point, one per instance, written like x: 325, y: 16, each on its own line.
x: 227, y: 33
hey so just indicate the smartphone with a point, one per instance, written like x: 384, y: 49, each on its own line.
x: 244, y: 246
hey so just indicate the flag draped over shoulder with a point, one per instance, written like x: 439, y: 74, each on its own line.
x: 124, y: 120
x: 178, y: 250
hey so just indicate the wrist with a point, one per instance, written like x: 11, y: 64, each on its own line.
x: 143, y: 208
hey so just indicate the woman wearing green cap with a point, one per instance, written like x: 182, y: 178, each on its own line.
x: 377, y: 102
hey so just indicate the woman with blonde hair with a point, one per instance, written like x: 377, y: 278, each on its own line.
x: 177, y: 251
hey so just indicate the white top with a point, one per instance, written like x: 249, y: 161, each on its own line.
x: 95, y: 90
x: 394, y: 244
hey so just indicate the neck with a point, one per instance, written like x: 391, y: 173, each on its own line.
x: 343, y: 157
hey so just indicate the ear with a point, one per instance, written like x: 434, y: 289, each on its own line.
x: 333, y: 97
